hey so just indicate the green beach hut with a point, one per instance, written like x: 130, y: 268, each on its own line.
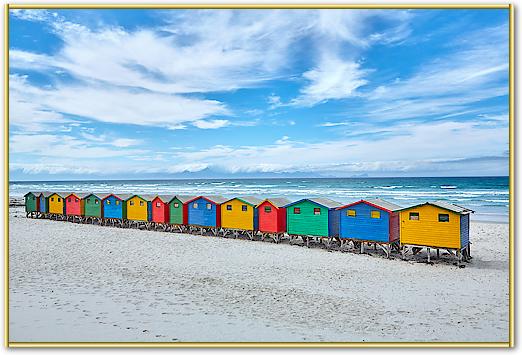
x: 32, y: 200
x: 313, y: 217
x: 178, y: 209
x: 92, y: 205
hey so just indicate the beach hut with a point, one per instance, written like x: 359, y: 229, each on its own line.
x: 32, y: 203
x: 160, y: 212
x: 271, y: 215
x: 240, y: 213
x: 178, y: 214
x: 114, y: 211
x: 138, y: 208
x: 43, y: 205
x: 92, y: 206
x: 56, y: 204
x: 74, y: 206
x: 204, y: 212
x: 370, y: 221
x: 313, y: 217
x: 438, y: 225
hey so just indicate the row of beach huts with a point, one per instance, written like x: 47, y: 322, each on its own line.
x: 376, y: 223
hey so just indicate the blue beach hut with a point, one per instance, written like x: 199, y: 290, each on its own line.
x: 113, y: 206
x: 205, y: 211
x: 371, y: 220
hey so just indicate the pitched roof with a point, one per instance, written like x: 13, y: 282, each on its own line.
x: 444, y: 205
x: 183, y: 198
x: 251, y: 200
x: 84, y: 194
x: 165, y: 198
x: 47, y: 193
x: 216, y: 198
x: 123, y: 197
x: 276, y: 201
x: 95, y: 194
x: 36, y: 193
x: 452, y: 207
x: 377, y: 202
x: 322, y: 201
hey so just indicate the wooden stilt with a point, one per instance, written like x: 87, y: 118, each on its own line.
x: 429, y: 254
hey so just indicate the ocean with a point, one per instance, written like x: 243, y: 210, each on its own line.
x: 487, y: 196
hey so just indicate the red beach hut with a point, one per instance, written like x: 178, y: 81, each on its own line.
x: 73, y: 205
x: 272, y: 215
x: 160, y: 208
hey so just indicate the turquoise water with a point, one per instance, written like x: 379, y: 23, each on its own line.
x: 488, y: 196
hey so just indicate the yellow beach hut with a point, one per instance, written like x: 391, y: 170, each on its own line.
x: 438, y: 225
x: 137, y: 208
x: 240, y: 213
x: 56, y: 203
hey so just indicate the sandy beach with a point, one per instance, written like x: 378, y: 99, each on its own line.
x: 82, y: 283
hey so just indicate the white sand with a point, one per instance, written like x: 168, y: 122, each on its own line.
x: 72, y: 282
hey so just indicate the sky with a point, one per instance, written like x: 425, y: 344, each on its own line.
x: 138, y: 94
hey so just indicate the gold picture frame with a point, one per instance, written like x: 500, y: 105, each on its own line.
x: 509, y: 343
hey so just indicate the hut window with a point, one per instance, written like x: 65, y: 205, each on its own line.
x: 375, y: 214
x: 88, y: 200
x: 96, y: 202
x: 195, y: 205
x: 414, y: 216
x: 131, y: 203
x: 109, y: 202
x: 268, y: 209
x: 141, y: 203
x: 443, y: 217
x: 297, y: 210
x: 350, y: 213
x: 117, y: 202
x: 209, y: 206
x: 52, y: 199
x: 33, y: 198
x: 75, y: 200
x: 69, y: 199
x: 176, y: 205
x: 317, y: 211
x: 158, y: 204
x: 229, y: 207
x: 59, y: 199
x: 244, y: 208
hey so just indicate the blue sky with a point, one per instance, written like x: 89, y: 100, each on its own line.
x: 109, y: 94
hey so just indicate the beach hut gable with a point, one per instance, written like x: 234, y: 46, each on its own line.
x: 369, y: 221
x: 138, y: 208
x: 435, y: 224
x: 178, y: 209
x: 312, y: 216
x: 239, y: 213
x: 204, y: 211
x: 32, y: 201
x: 114, y: 206
x: 92, y: 205
x: 55, y: 203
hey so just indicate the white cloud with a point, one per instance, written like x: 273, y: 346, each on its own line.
x: 333, y: 124
x: 105, y: 104
x: 332, y: 79
x: 415, y: 144
x: 125, y: 142
x: 211, y: 124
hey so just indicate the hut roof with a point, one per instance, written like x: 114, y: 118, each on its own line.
x: 36, y: 193
x: 376, y: 202
x: 276, y: 201
x: 250, y: 200
x: 164, y: 198
x: 123, y: 197
x: 322, y: 201
x: 444, y: 205
x: 84, y: 195
x: 47, y: 193
x: 183, y: 198
x: 217, y: 199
